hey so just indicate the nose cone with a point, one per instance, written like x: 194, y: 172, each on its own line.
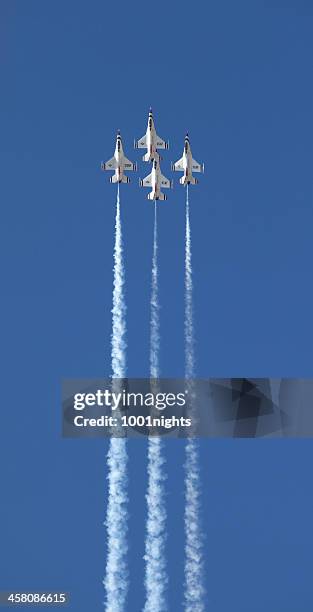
x: 150, y: 112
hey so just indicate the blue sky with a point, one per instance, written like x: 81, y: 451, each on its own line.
x: 237, y: 77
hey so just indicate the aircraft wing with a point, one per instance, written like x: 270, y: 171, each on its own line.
x: 165, y: 182
x: 128, y: 165
x: 160, y: 144
x: 178, y: 166
x: 196, y: 167
x: 142, y: 143
x: 109, y: 165
x: 147, y: 182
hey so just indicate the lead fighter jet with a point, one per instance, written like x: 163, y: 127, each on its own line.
x: 187, y: 165
x: 156, y: 180
x: 151, y: 141
x: 119, y: 163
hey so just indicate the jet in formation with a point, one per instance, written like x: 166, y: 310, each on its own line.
x: 151, y: 141
x: 187, y: 165
x: 119, y: 163
x: 156, y: 181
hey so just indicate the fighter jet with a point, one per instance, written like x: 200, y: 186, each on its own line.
x: 187, y: 165
x: 156, y: 180
x: 119, y: 163
x: 151, y: 141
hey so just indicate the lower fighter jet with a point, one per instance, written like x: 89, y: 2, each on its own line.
x: 187, y: 165
x: 151, y: 141
x: 156, y: 180
x: 119, y: 163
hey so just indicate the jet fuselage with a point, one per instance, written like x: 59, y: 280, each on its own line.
x: 119, y: 163
x: 187, y: 164
x: 155, y: 181
x: 119, y: 158
x: 151, y: 140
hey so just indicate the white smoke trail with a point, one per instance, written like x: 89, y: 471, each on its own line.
x: 154, y: 306
x: 194, y: 588
x: 155, y: 571
x: 189, y: 333
x: 118, y: 344
x: 116, y: 576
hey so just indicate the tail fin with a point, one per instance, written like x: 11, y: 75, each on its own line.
x: 125, y: 179
x: 113, y: 179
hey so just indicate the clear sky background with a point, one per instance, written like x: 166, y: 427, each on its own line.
x: 238, y: 77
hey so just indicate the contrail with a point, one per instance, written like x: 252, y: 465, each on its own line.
x: 194, y: 587
x: 155, y: 571
x: 116, y: 576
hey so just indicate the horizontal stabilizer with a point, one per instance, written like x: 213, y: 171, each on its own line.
x: 124, y: 179
x: 190, y: 180
x: 147, y: 157
x: 153, y: 196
